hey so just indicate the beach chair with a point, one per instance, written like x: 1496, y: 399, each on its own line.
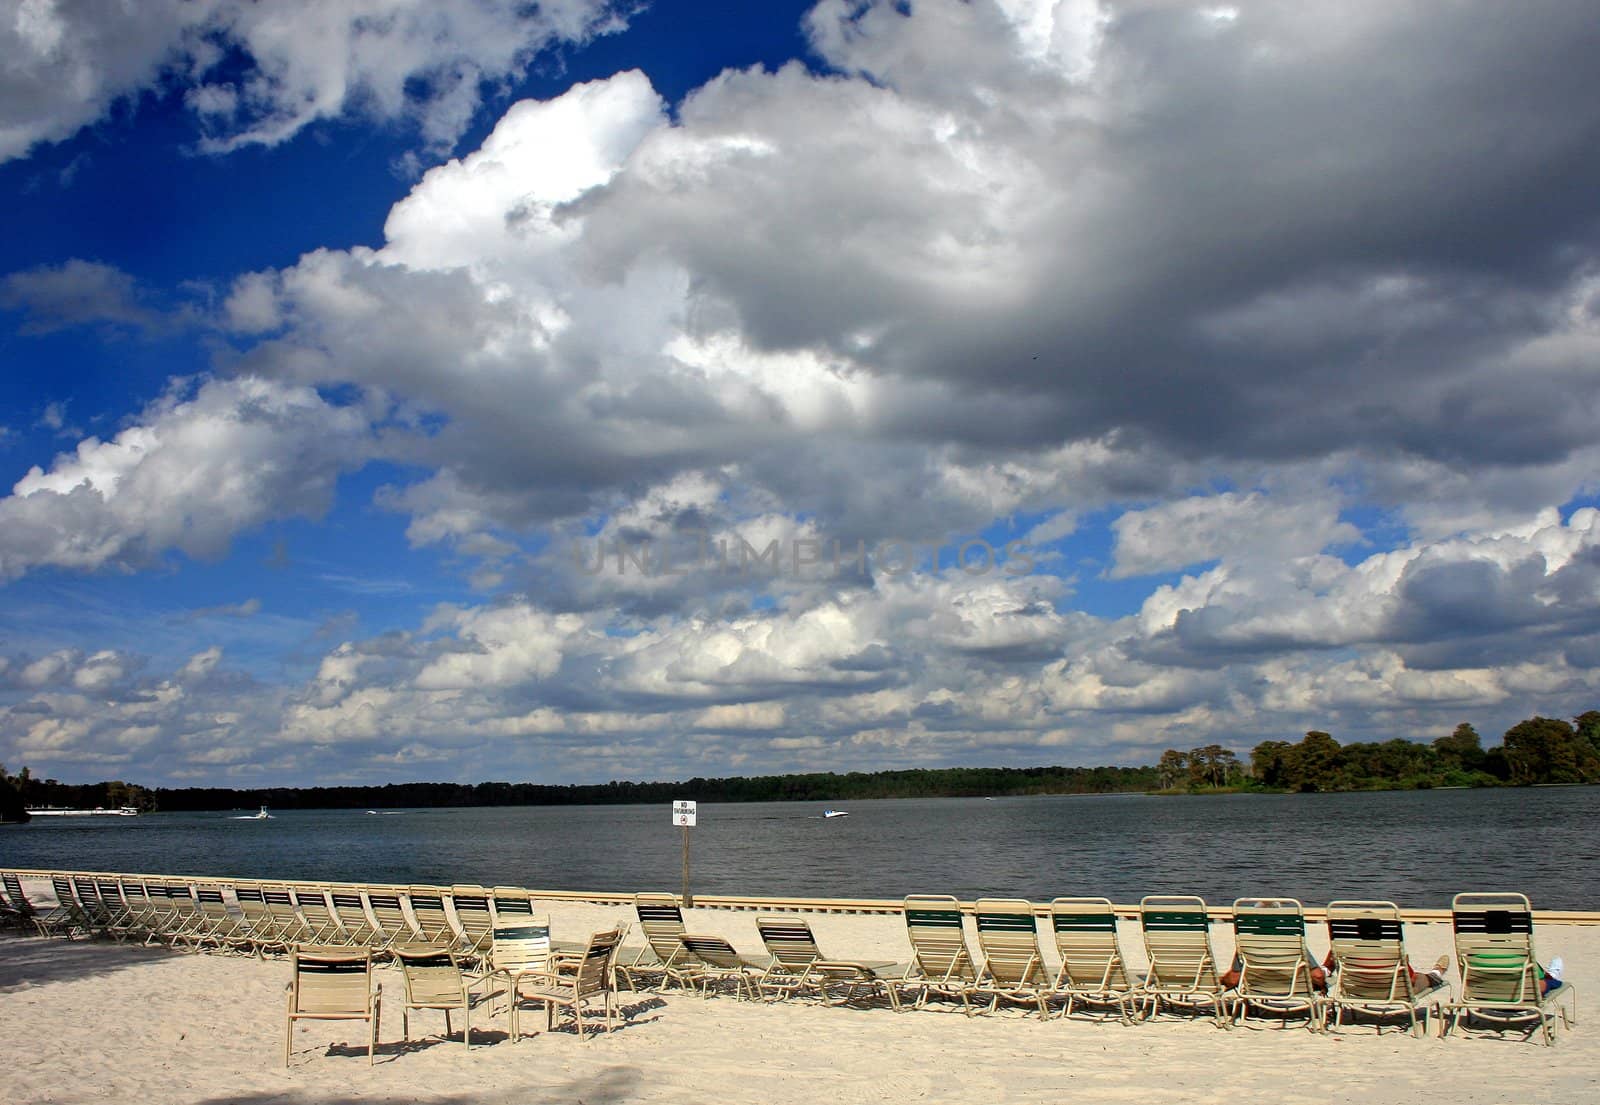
x: 799, y: 965
x: 434, y: 980
x: 520, y: 946
x: 323, y: 927
x: 1094, y: 969
x: 1011, y: 964
x: 573, y: 983
x: 1275, y: 962
x: 134, y: 917
x: 474, y: 920
x: 661, y: 922
x: 257, y: 924
x: 332, y: 984
x: 941, y: 962
x: 1183, y: 961
x: 290, y: 927
x: 95, y: 913
x: 11, y: 914
x: 67, y: 916
x: 112, y: 905
x: 182, y: 915
x: 27, y: 913
x: 1373, y: 971
x: 709, y: 961
x: 432, y: 920
x: 1502, y: 982
x: 353, y: 920
x: 388, y: 915
x: 219, y: 928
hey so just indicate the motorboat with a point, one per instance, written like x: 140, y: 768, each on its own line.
x: 261, y: 815
x: 835, y: 813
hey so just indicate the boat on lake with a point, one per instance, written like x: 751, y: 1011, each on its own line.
x: 835, y: 813
x: 98, y: 811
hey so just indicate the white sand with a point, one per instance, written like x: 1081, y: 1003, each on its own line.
x: 89, y: 1022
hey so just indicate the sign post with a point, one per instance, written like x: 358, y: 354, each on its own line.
x: 683, y: 813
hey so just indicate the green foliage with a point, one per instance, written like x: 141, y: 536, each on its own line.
x: 11, y: 803
x: 1548, y: 750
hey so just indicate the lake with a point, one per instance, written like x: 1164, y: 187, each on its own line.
x: 1414, y: 847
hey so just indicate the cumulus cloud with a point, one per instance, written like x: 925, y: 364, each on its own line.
x: 254, y: 74
x: 193, y: 471
x: 75, y: 293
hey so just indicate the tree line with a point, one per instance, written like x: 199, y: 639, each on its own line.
x: 1538, y: 750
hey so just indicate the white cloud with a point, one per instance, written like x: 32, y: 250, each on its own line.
x: 67, y: 63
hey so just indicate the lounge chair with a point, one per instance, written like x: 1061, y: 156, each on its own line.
x: 1183, y: 961
x: 941, y: 962
x: 352, y: 917
x: 432, y: 921
x: 573, y: 983
x: 661, y: 922
x: 434, y: 980
x: 182, y: 917
x: 1012, y: 964
x: 67, y: 916
x: 474, y: 920
x: 1501, y: 980
x: 218, y: 928
x: 1094, y: 969
x: 1275, y: 962
x: 258, y: 924
x: 1373, y: 971
x: 27, y: 913
x: 393, y: 926
x: 709, y: 961
x: 799, y: 965
x: 332, y: 984
x: 320, y: 922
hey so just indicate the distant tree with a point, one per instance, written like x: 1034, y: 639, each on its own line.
x: 1548, y: 750
x: 1173, y: 768
x: 1462, y: 748
x: 1319, y: 762
x: 1588, y: 726
x: 1273, y: 762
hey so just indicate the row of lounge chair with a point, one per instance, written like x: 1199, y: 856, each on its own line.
x: 499, y: 931
x: 265, y: 917
x: 1276, y: 973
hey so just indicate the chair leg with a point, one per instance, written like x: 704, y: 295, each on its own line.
x: 288, y: 1039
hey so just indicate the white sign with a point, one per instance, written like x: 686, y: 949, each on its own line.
x: 683, y: 813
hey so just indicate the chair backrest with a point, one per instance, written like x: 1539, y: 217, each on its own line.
x: 1009, y: 940
x: 1271, y: 937
x: 938, y: 939
x: 661, y: 921
x: 521, y: 945
x: 352, y: 915
x: 330, y: 981
x: 789, y: 941
x: 1177, y: 941
x: 1087, y: 941
x: 110, y: 896
x: 312, y: 901
x: 253, y: 905
x: 511, y: 904
x: 281, y: 907
x: 427, y: 906
x: 135, y: 896
x: 433, y: 976
x: 211, y: 902
x: 1494, y: 946
x: 713, y: 950
x: 594, y: 970
x: 1368, y: 943
x: 472, y: 913
x: 180, y: 901
x: 386, y: 910
x: 66, y: 898
x: 13, y: 886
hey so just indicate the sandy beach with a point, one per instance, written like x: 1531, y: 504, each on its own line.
x: 91, y: 1021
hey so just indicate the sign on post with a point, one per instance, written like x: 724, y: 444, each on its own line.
x: 683, y: 813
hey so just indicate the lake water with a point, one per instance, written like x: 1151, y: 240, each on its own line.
x: 1416, y: 847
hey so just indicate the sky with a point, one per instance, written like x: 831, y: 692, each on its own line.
x: 622, y: 390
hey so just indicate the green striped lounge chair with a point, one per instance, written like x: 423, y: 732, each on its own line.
x: 797, y: 964
x: 94, y: 910
x: 1183, y: 960
x: 332, y: 984
x: 1373, y: 975
x: 324, y: 928
x: 1275, y: 962
x: 1501, y: 980
x: 1094, y: 970
x: 941, y: 962
x: 708, y: 962
x: 183, y: 914
x: 474, y: 920
x: 661, y: 923
x: 1011, y: 963
x: 220, y: 929
x: 137, y: 910
x: 290, y: 927
x: 68, y: 916
x: 114, y: 908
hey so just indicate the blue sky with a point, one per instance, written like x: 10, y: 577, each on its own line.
x: 328, y: 348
